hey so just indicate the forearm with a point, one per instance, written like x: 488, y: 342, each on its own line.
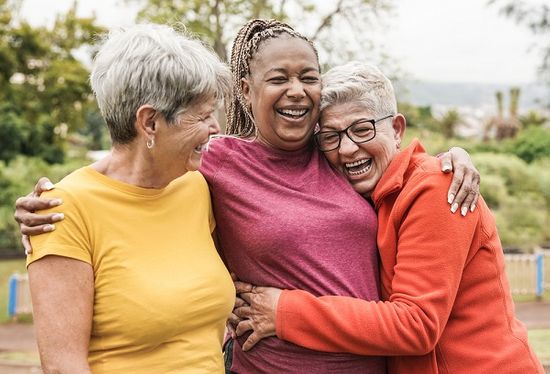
x: 345, y: 324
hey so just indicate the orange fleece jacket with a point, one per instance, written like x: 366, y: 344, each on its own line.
x: 448, y: 307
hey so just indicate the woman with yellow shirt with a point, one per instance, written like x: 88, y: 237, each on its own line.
x: 131, y: 281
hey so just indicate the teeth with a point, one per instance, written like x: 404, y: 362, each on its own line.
x: 293, y: 112
x: 201, y: 147
x: 356, y: 163
x: 354, y: 168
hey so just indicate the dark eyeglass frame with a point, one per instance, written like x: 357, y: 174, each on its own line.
x: 362, y: 120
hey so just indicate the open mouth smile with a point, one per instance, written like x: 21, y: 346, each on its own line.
x: 201, y: 147
x: 293, y: 113
x: 358, y: 167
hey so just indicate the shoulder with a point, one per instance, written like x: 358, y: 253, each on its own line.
x: 73, y: 187
x: 220, y: 150
x: 425, y: 172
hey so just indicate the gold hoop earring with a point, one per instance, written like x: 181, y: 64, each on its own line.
x: 150, y: 143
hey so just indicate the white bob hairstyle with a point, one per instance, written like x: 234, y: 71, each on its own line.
x: 155, y: 65
x: 358, y: 82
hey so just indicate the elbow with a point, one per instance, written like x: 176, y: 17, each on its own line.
x: 61, y: 366
x: 421, y: 340
x: 426, y: 346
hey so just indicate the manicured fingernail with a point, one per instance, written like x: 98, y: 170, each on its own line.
x: 49, y: 228
x: 56, y: 202
x: 58, y: 217
x: 450, y: 198
x: 463, y: 211
x: 446, y: 167
x: 472, y: 208
x: 454, y: 207
x: 48, y: 186
x: 28, y: 252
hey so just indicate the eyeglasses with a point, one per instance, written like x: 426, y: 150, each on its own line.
x: 360, y: 131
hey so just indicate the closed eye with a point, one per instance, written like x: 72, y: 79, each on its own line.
x: 280, y: 79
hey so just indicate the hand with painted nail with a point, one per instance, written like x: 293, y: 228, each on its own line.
x: 32, y: 223
x: 464, y: 190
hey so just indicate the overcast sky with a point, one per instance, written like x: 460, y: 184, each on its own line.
x: 434, y: 40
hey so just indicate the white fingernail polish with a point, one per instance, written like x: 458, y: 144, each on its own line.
x: 450, y: 198
x: 454, y: 207
x: 49, y: 228
x: 472, y: 208
x: 446, y: 167
x: 48, y: 186
x: 56, y: 202
x: 58, y: 217
x: 463, y: 211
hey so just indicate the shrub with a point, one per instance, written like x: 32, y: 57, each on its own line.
x: 531, y: 144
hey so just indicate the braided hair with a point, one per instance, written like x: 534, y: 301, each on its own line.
x: 240, y: 121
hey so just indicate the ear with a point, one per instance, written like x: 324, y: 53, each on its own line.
x: 146, y: 120
x: 399, y: 124
x: 245, y: 88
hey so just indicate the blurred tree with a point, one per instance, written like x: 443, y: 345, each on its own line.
x: 533, y: 118
x: 536, y: 16
x: 449, y: 122
x: 43, y: 86
x: 217, y: 20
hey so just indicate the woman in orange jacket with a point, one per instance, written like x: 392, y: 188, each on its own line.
x: 447, y: 306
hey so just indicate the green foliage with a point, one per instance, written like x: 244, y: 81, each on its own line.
x: 518, y: 193
x: 516, y: 174
x: 44, y: 89
x: 217, y: 21
x: 214, y: 21
x: 449, y: 122
x: 17, y: 179
x: 533, y: 118
x: 493, y: 190
x: 531, y: 144
x: 417, y: 116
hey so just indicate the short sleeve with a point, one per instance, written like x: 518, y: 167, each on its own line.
x: 213, y: 159
x: 70, y: 237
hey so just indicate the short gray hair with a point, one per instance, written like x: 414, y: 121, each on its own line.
x: 359, y: 82
x: 155, y: 65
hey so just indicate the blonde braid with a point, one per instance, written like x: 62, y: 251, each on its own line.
x: 240, y: 120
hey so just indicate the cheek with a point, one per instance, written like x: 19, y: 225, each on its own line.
x: 333, y: 159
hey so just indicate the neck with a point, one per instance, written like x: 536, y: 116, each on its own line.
x: 134, y: 165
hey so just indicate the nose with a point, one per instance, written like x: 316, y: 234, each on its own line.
x: 214, y: 126
x: 347, y: 146
x: 296, y: 88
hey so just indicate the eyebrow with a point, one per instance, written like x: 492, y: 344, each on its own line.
x: 332, y: 128
x: 282, y: 70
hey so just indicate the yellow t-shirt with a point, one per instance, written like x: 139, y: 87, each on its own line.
x: 162, y: 293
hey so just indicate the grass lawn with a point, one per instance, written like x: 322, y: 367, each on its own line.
x: 7, y: 268
x: 531, y: 298
x: 540, y: 341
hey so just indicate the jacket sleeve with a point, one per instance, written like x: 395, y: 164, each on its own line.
x: 432, y: 250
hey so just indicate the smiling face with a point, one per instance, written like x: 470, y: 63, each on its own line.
x: 186, y: 139
x: 284, y: 90
x: 363, y: 164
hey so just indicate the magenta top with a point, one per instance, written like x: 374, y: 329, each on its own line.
x: 288, y: 220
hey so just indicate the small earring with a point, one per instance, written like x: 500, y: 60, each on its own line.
x: 150, y: 143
